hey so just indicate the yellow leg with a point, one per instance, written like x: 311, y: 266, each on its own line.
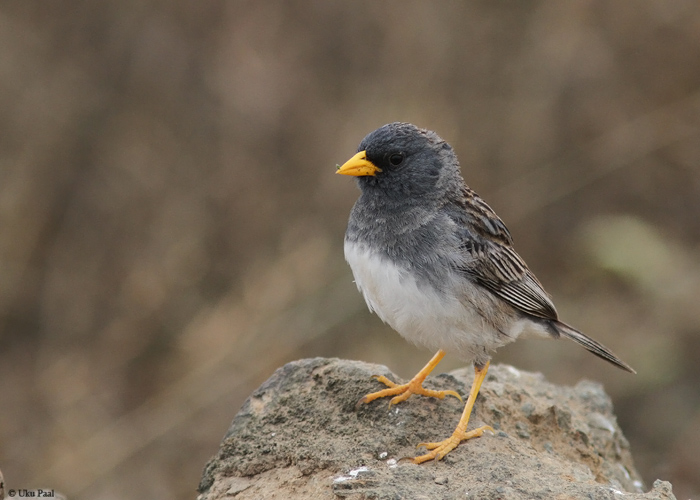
x: 403, y: 391
x: 442, y: 448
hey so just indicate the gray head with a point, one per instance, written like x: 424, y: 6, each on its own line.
x: 402, y: 161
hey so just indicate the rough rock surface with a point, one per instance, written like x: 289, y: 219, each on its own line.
x: 299, y: 436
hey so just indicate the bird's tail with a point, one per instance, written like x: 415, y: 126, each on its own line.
x: 592, y: 345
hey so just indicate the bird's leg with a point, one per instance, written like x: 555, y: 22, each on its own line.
x: 403, y: 391
x: 442, y: 448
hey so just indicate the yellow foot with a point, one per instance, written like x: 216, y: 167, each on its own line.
x: 404, y: 391
x: 439, y: 450
x: 442, y: 448
x: 415, y: 386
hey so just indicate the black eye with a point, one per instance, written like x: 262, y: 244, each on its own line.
x: 396, y: 159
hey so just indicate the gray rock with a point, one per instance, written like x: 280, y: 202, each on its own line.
x: 299, y: 436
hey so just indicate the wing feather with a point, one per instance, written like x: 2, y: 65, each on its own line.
x: 492, y: 262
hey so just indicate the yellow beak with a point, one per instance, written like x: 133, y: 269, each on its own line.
x: 358, y: 166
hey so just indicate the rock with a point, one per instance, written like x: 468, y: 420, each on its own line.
x: 299, y: 436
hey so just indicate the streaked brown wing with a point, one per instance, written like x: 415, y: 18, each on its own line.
x: 501, y: 270
x: 494, y: 264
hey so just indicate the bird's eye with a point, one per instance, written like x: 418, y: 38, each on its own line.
x: 396, y: 159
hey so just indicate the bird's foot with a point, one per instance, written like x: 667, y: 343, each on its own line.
x: 442, y: 448
x: 402, y: 392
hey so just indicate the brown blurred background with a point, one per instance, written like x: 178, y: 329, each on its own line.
x: 171, y: 226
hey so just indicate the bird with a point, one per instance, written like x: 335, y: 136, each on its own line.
x: 437, y: 264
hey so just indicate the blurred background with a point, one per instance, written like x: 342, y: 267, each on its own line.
x: 171, y: 226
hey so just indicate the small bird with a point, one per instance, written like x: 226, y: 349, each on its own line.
x: 437, y: 264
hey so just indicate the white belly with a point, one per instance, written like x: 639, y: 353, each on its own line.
x: 420, y: 313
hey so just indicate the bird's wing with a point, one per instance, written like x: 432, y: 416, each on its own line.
x: 476, y: 213
x: 491, y: 261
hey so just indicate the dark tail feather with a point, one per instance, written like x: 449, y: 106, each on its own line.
x: 592, y: 345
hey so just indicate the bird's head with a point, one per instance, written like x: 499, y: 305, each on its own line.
x: 400, y: 160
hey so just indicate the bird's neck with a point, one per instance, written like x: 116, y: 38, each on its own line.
x: 380, y: 220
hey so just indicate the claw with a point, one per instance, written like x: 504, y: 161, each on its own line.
x: 442, y: 448
x: 402, y: 392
